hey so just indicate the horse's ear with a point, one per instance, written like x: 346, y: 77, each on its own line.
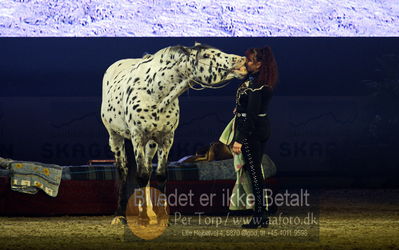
x: 197, y: 44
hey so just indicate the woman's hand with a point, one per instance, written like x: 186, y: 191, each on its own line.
x: 234, y: 110
x: 237, y: 147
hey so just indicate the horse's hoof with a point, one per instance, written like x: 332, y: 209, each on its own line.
x: 163, y: 223
x: 119, y: 220
x: 143, y: 222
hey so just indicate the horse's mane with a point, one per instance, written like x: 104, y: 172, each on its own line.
x: 147, y: 55
x: 179, y: 49
x: 183, y: 50
x: 202, y: 46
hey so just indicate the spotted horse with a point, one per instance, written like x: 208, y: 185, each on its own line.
x: 140, y: 103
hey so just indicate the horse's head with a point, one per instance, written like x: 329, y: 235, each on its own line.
x: 212, y: 66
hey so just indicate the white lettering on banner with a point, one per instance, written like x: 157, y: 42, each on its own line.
x: 306, y: 149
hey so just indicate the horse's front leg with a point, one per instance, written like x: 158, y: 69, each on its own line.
x: 144, y: 170
x: 160, y: 208
x: 163, y: 153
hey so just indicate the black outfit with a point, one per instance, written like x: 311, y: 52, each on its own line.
x: 252, y: 130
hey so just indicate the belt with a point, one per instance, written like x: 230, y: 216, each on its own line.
x: 245, y: 115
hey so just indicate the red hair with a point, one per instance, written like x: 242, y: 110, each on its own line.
x: 268, y: 72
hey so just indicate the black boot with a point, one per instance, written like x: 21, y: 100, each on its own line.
x: 257, y: 221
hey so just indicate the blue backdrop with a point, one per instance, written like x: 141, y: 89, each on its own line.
x: 335, y: 109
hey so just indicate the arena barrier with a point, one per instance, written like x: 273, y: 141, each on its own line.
x: 92, y: 190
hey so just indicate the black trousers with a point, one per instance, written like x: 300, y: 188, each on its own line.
x: 252, y: 149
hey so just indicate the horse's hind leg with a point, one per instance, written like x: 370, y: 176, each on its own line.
x: 117, y: 145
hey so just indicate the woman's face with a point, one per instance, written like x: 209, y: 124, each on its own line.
x: 251, y: 64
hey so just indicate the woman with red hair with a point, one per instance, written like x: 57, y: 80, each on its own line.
x: 252, y: 127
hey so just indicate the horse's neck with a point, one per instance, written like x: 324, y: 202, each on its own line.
x: 170, y: 97
x: 171, y: 82
x: 165, y: 83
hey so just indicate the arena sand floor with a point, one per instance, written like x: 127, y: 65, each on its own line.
x: 349, y: 219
